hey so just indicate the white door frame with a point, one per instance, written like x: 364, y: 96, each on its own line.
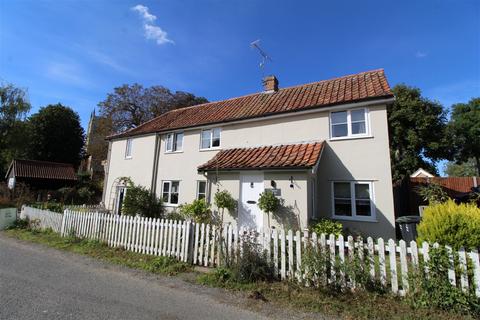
x: 246, y: 210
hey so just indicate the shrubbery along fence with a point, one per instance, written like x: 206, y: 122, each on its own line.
x: 388, y: 263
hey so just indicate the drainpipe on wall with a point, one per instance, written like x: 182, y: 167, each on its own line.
x: 156, y: 156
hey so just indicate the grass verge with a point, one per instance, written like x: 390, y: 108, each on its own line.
x: 95, y: 249
x: 361, y: 305
x: 358, y: 305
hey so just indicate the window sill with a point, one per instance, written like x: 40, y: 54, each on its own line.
x: 128, y: 158
x: 172, y: 205
x: 170, y: 152
x: 355, y: 219
x: 352, y: 138
x: 211, y: 149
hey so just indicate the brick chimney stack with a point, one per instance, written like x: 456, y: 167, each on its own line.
x: 270, y: 84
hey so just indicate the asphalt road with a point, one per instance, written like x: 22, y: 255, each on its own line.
x: 37, y: 282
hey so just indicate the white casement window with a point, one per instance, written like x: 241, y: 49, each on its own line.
x: 201, y: 190
x: 170, y: 192
x: 349, y: 123
x: 210, y: 139
x: 353, y: 200
x: 128, y: 149
x: 174, y: 142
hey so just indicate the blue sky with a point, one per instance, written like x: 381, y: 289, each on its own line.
x: 75, y: 52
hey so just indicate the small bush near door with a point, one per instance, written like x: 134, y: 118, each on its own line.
x: 198, y: 211
x: 326, y: 226
x: 139, y: 200
x: 251, y: 263
x: 247, y: 266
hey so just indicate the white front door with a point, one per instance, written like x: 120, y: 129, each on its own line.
x: 251, y: 185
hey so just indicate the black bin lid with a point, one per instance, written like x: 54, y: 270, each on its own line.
x: 408, y: 219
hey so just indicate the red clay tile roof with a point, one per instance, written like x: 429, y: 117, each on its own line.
x: 42, y: 170
x: 363, y: 86
x: 296, y: 156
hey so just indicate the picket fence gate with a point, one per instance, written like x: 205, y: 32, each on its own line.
x: 387, y: 262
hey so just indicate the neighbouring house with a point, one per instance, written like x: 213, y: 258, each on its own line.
x: 41, y: 176
x: 408, y: 201
x: 322, y: 147
x: 421, y: 173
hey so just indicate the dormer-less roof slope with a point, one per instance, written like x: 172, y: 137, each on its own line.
x: 359, y: 87
x: 34, y: 169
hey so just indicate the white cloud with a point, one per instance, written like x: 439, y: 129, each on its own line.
x: 157, y: 34
x: 152, y: 31
x: 143, y: 11
x: 421, y: 54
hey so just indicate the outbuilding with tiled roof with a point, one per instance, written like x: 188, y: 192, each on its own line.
x: 40, y: 174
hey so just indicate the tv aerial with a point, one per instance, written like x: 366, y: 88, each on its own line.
x: 265, y: 57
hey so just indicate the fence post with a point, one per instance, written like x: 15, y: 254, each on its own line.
x: 476, y: 270
x: 404, y: 265
x: 62, y: 230
x: 463, y: 269
x: 392, y: 255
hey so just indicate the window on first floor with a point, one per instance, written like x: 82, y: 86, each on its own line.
x: 128, y: 149
x: 349, y: 123
x: 210, y: 138
x: 174, y: 142
x: 170, y: 192
x: 201, y: 190
x: 352, y: 200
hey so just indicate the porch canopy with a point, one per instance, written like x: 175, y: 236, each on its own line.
x: 290, y: 156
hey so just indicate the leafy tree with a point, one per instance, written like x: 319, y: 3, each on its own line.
x: 224, y: 200
x: 417, y: 130
x: 131, y: 105
x: 14, y: 107
x: 463, y: 169
x: 55, y: 135
x: 464, y: 126
x: 268, y: 203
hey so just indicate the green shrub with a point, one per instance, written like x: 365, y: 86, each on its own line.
x: 327, y: 227
x: 168, y: 265
x: 139, y: 200
x: 436, y: 290
x: 451, y: 224
x: 432, y: 193
x: 20, y: 224
x: 250, y: 264
x: 50, y: 205
x: 174, y: 215
x: 198, y: 210
x: 323, y: 272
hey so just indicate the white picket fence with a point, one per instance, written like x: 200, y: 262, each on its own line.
x: 46, y: 219
x: 387, y: 262
x: 86, y: 208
